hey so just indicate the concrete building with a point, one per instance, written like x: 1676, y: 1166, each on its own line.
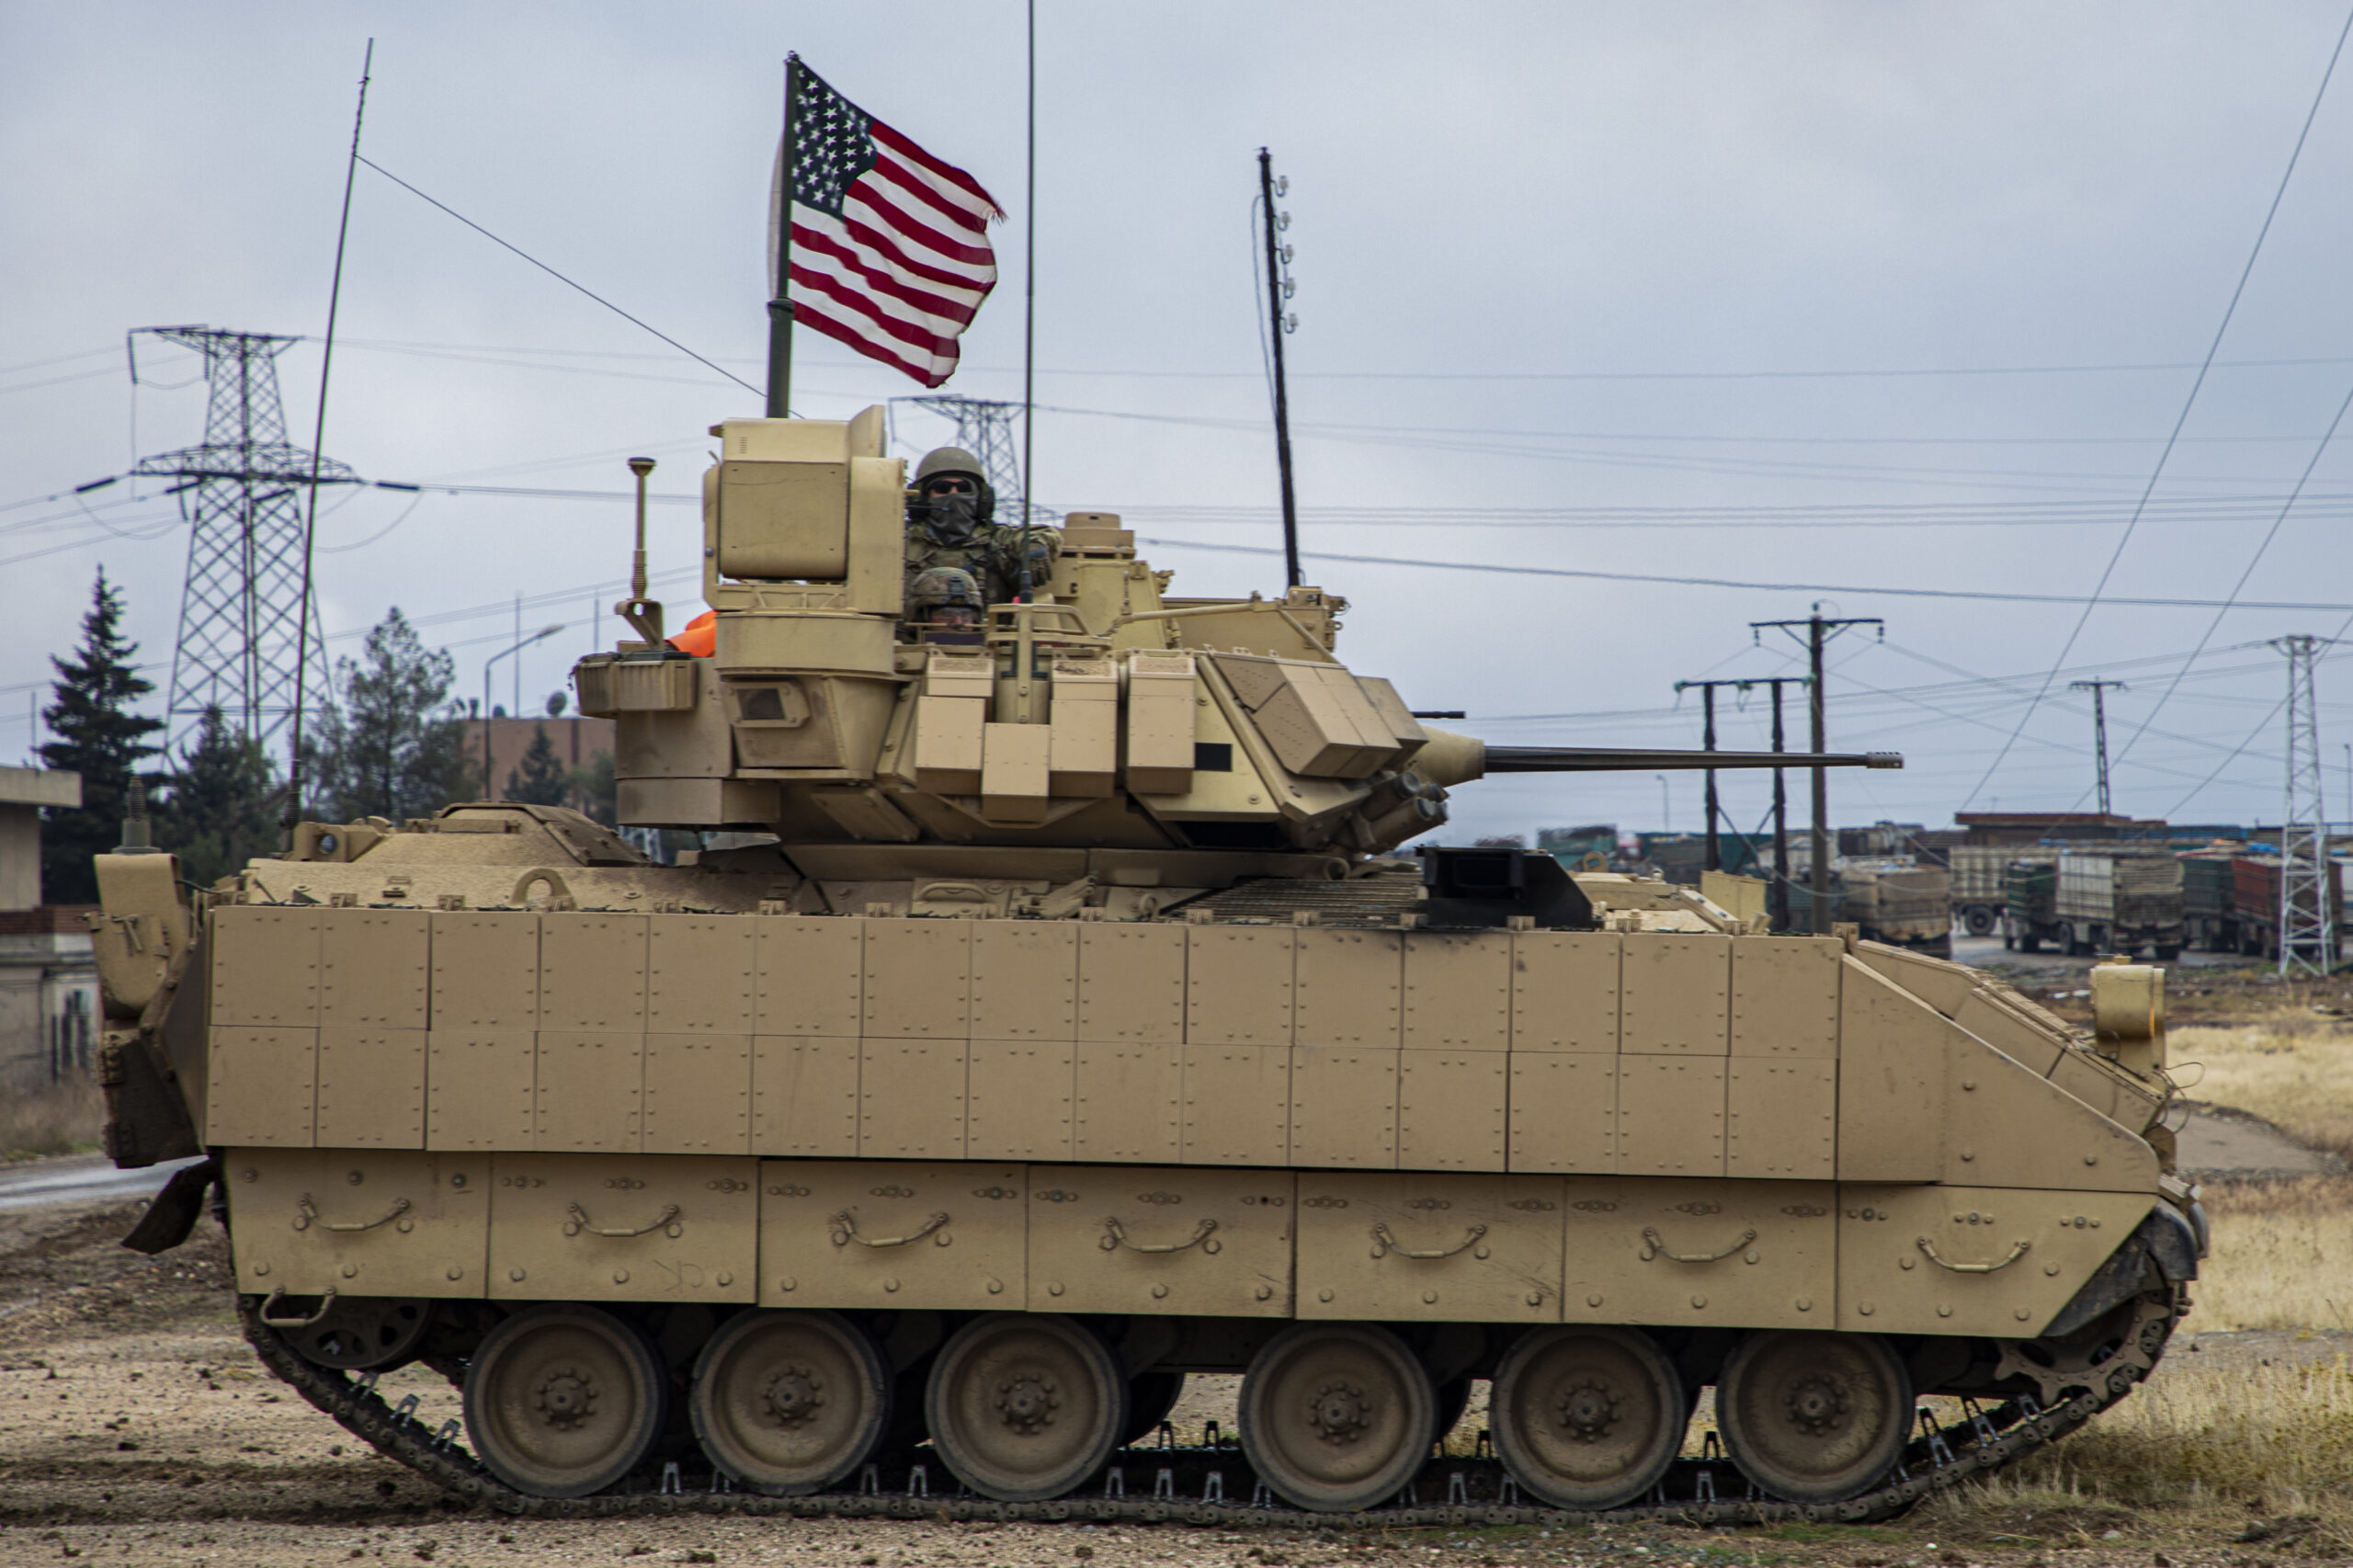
x: 49, y: 981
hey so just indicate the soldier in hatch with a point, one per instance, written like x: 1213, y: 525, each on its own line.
x: 951, y: 522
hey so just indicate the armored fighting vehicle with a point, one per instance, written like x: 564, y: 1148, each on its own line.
x: 1050, y: 1018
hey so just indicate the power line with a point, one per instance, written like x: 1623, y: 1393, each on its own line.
x: 2187, y: 403
x: 1744, y: 584
x: 2236, y: 588
x: 1850, y: 373
x: 559, y: 277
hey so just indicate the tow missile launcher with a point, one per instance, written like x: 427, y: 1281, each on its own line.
x: 1051, y: 1018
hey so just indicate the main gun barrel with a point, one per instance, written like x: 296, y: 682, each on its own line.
x: 1634, y: 759
x: 1450, y: 758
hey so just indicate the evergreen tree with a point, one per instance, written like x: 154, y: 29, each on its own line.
x: 393, y: 746
x: 595, y: 789
x: 218, y: 815
x: 541, y: 779
x: 99, y: 737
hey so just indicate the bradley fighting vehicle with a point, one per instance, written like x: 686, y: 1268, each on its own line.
x: 1060, y: 1023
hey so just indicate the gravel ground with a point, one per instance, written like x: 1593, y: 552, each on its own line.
x: 135, y: 1428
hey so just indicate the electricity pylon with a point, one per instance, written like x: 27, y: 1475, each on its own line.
x: 2307, y: 911
x: 242, y: 492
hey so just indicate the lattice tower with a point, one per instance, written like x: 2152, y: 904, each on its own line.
x: 985, y: 429
x: 242, y: 493
x: 2307, y: 913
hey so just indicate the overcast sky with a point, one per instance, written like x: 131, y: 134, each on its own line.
x: 1570, y: 278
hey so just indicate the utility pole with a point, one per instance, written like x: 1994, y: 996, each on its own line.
x: 1707, y: 689
x: 241, y: 490
x: 2307, y: 909
x: 2100, y: 690
x: 1776, y: 893
x: 1778, y: 897
x: 1280, y: 325
x: 1818, y: 631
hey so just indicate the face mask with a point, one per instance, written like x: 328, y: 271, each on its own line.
x: 954, y: 518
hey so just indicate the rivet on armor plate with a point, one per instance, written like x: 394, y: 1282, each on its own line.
x: 1593, y: 1300
x: 1535, y: 1298
x: 2021, y: 1314
x: 1053, y: 1288
x: 261, y: 1269
x: 1750, y: 1258
x: 1967, y: 1154
x: 2091, y: 1159
x: 1479, y: 1252
x: 726, y: 1279
x: 2052, y: 1270
x: 1160, y: 1292
x: 1903, y: 1262
x: 457, y: 1273
x: 788, y: 1283
x: 893, y: 1284
x: 1698, y: 1301
x: 1322, y: 1295
x: 2095, y: 1224
x: 1265, y: 1292
x: 1429, y: 1297
x: 1968, y: 1083
x: 1943, y: 1310
x: 249, y: 1173
x: 1864, y: 1308
x: 352, y: 1271
x: 515, y: 1275
x: 1805, y: 1303
x: 355, y: 1177
x: 620, y: 1276
x: 458, y: 1179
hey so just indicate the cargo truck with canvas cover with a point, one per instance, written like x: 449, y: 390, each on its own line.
x: 1062, y: 1024
x: 1980, y: 891
x: 2120, y: 902
x: 1897, y: 900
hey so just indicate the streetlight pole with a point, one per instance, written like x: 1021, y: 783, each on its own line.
x: 489, y: 787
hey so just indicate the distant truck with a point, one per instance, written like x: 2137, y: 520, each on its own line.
x: 1979, y: 894
x: 2209, y: 901
x: 1899, y: 902
x: 2254, y: 896
x: 2097, y: 901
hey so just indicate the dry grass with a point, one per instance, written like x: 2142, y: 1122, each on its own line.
x: 54, y: 1118
x: 2220, y: 1447
x: 2294, y: 1069
x: 2280, y: 1254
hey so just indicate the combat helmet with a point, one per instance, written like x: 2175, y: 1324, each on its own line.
x: 944, y: 461
x: 946, y: 601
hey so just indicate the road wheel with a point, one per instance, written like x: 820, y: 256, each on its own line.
x: 1453, y: 1399
x: 1587, y: 1417
x: 562, y: 1401
x: 1814, y: 1418
x: 788, y: 1402
x: 1336, y: 1416
x: 1151, y: 1396
x: 363, y: 1333
x: 1978, y: 921
x: 1024, y: 1406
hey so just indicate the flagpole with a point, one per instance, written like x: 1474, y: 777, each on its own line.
x: 1028, y: 299
x: 781, y: 303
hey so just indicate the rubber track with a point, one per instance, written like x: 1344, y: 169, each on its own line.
x: 2010, y: 1431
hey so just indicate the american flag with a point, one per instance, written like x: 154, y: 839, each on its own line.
x: 888, y: 247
